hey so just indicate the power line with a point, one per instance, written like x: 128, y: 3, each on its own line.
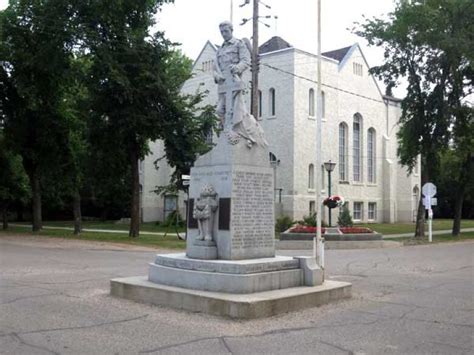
x: 322, y: 84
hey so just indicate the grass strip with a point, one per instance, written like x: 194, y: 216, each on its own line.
x: 169, y: 242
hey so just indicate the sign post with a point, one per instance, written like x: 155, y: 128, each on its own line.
x: 429, y: 191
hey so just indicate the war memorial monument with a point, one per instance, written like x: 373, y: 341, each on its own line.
x: 230, y: 267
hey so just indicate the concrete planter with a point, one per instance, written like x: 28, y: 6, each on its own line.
x: 332, y: 236
x: 353, y: 237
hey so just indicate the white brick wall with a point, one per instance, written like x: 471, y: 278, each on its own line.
x: 291, y: 133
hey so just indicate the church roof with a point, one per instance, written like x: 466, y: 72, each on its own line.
x: 274, y: 44
x: 337, y: 54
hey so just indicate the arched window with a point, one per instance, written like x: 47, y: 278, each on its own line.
x: 311, y: 103
x: 356, y: 147
x: 371, y: 162
x: 272, y: 99
x: 311, y: 176
x: 259, y: 103
x: 323, y: 104
x: 343, y: 152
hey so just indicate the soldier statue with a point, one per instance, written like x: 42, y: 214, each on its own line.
x: 232, y: 59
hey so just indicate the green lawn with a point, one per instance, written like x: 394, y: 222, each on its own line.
x: 146, y: 227
x: 436, y: 239
x: 384, y: 228
x: 169, y: 242
x: 398, y: 228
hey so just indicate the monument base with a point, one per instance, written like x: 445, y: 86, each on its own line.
x: 249, y: 288
x: 242, y: 306
x: 204, y: 250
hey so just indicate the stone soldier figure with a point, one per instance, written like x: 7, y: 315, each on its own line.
x: 232, y: 59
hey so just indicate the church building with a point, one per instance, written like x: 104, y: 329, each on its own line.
x: 359, y: 129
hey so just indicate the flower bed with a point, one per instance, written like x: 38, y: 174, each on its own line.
x: 355, y: 230
x: 305, y: 229
x: 300, y: 232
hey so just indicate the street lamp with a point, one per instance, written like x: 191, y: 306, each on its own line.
x: 274, y: 162
x: 329, y: 166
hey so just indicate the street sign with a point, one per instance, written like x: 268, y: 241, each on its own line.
x: 185, y: 182
x: 429, y: 189
x: 429, y: 201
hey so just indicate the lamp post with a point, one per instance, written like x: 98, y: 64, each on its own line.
x: 329, y: 166
x: 274, y: 162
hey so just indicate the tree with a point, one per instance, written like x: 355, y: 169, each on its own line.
x: 454, y: 182
x: 135, y: 83
x: 35, y: 52
x: 345, y: 219
x: 430, y: 44
x: 13, y: 180
x: 74, y: 111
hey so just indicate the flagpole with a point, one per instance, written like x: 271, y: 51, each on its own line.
x: 317, y: 248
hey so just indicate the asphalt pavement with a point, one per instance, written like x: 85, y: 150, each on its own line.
x: 54, y: 299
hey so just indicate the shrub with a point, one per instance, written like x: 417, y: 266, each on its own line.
x: 345, y: 219
x: 283, y: 223
x: 310, y: 221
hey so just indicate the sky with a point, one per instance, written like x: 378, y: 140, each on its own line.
x: 193, y: 22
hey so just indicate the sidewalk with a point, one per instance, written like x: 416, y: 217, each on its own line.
x: 117, y: 231
x: 438, y: 232
x: 121, y: 231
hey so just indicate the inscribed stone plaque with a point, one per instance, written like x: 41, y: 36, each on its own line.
x: 252, y: 222
x: 224, y: 214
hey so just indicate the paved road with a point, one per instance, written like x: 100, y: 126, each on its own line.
x: 412, y: 300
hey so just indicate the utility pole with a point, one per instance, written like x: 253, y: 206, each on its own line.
x: 255, y: 57
x: 232, y: 12
x: 254, y: 95
x: 318, y: 251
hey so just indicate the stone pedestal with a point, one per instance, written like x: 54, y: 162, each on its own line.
x: 244, y: 222
x: 230, y: 267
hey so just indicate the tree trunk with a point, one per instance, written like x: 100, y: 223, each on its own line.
x: 420, y: 220
x: 420, y: 216
x: 466, y: 175
x: 135, y: 208
x: 76, y: 209
x: 5, y: 217
x: 458, y: 211
x: 37, y: 214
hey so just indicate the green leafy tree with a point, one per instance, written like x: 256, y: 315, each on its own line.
x: 456, y: 168
x: 74, y: 110
x: 345, y: 218
x: 135, y: 86
x: 35, y: 51
x: 430, y: 44
x: 14, y: 186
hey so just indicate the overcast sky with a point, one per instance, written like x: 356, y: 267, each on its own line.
x: 193, y: 22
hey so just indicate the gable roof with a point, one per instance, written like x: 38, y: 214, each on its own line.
x: 274, y: 44
x: 208, y: 44
x: 337, y: 54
